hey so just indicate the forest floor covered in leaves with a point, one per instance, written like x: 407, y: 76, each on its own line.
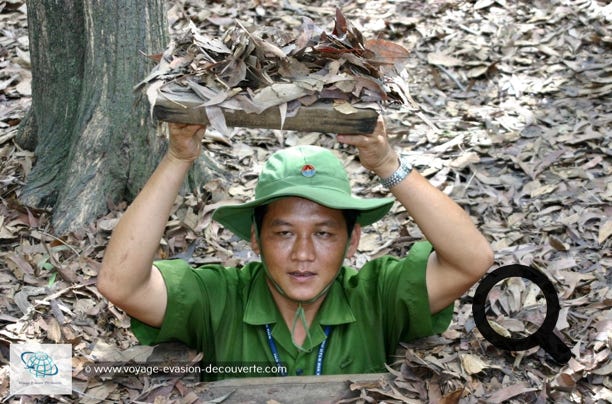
x: 514, y: 123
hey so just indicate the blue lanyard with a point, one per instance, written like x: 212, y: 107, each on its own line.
x: 320, y: 354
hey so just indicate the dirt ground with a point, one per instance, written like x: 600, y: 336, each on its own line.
x: 513, y: 121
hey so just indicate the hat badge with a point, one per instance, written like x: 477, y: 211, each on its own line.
x: 308, y: 170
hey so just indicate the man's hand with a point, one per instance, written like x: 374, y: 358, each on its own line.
x: 185, y: 141
x: 375, y: 152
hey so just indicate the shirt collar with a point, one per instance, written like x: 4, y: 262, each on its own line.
x: 260, y: 307
x: 336, y: 310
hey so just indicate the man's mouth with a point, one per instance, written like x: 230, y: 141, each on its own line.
x: 302, y: 276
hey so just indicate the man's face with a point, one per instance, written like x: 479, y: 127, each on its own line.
x: 303, y: 245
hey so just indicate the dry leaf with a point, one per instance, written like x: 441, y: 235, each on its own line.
x: 472, y: 364
x: 605, y: 229
x: 441, y: 59
x: 509, y: 392
x: 54, y: 331
x: 98, y: 393
x: 480, y: 4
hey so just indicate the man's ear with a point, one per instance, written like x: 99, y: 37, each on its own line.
x: 354, y: 242
x: 254, y: 243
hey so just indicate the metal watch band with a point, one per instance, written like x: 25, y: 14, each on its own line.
x: 402, y: 172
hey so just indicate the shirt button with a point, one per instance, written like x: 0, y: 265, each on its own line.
x: 299, y: 372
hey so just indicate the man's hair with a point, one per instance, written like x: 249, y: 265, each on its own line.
x: 350, y: 218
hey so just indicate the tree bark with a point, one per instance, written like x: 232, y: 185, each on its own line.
x: 95, y: 141
x: 56, y: 48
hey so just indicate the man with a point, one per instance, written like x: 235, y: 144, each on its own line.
x: 298, y: 307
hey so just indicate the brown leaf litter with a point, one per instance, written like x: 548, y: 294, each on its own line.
x: 516, y: 97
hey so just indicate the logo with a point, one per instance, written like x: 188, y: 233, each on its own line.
x: 308, y: 171
x: 39, y: 364
x: 40, y: 369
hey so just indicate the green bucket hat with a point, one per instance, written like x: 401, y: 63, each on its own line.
x: 309, y: 172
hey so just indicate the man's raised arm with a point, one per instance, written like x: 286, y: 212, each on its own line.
x: 127, y: 277
x: 461, y: 254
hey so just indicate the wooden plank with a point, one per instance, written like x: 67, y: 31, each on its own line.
x: 290, y: 389
x: 320, y: 117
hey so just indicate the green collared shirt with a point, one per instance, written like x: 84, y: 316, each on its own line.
x: 222, y: 312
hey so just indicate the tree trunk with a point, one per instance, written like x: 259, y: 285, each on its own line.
x: 95, y: 141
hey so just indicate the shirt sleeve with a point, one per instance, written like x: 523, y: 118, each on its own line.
x: 187, y: 316
x: 404, y: 298
x: 416, y: 298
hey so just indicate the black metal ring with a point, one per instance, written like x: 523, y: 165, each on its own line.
x: 544, y: 336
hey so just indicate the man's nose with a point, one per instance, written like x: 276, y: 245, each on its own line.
x: 303, y: 249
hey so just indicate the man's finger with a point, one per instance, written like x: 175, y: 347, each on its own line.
x: 354, y: 139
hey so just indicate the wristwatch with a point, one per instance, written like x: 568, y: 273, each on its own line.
x: 402, y: 172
